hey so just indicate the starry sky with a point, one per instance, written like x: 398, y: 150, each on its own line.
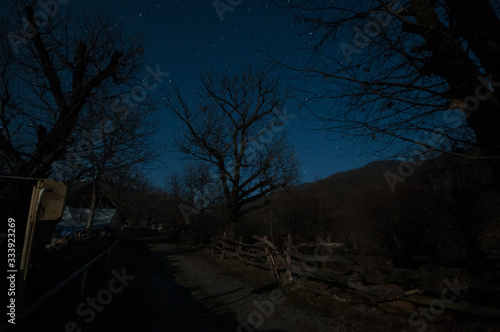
x: 186, y: 38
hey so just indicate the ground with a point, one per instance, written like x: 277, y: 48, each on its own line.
x: 156, y: 286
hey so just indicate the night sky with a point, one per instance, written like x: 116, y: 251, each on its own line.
x: 186, y: 38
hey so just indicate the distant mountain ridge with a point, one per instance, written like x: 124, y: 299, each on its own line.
x: 369, y: 173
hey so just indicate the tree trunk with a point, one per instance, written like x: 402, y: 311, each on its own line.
x: 232, y: 216
x: 485, y: 122
x: 233, y: 219
x: 478, y: 26
x: 477, y: 23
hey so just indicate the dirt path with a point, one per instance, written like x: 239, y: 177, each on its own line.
x: 259, y: 302
x: 261, y: 308
x: 136, y: 293
x: 167, y: 287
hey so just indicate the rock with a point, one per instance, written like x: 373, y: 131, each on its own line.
x: 397, y: 306
x: 390, y: 290
x: 376, y: 278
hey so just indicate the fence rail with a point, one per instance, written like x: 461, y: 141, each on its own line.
x: 262, y: 254
x: 340, y: 264
x: 29, y: 309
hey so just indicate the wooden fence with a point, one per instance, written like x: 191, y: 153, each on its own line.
x: 24, y: 312
x: 263, y: 253
x: 340, y: 264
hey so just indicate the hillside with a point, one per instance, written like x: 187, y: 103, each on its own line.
x: 445, y: 209
x: 336, y: 206
x: 359, y: 177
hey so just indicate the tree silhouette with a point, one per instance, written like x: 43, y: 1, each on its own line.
x: 237, y: 129
x: 419, y: 73
x: 54, y: 76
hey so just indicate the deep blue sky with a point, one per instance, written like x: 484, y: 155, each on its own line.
x: 188, y: 37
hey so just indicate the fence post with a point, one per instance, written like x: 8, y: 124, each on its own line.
x: 268, y: 252
x: 238, y: 251
x: 222, y: 246
x: 328, y: 240
x: 289, y: 276
x: 83, y: 281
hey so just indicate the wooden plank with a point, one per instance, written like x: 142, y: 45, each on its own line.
x: 231, y: 246
x: 241, y: 243
x: 337, y: 258
x: 318, y: 244
x: 266, y: 241
x: 255, y: 255
x: 254, y: 245
x: 301, y: 245
x: 272, y: 263
x: 334, y: 245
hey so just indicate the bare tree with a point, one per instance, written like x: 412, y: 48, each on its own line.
x: 185, y: 188
x: 110, y: 145
x: 126, y: 190
x: 186, y: 185
x: 54, y: 75
x: 136, y: 198
x: 409, y: 72
x: 236, y: 128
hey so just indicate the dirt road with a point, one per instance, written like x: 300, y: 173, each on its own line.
x: 166, y: 287
x: 257, y: 306
x: 136, y: 293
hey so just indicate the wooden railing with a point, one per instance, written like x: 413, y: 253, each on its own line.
x: 339, y: 264
x: 82, y: 272
x: 262, y: 253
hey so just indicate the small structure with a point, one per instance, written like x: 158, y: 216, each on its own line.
x: 75, y: 220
